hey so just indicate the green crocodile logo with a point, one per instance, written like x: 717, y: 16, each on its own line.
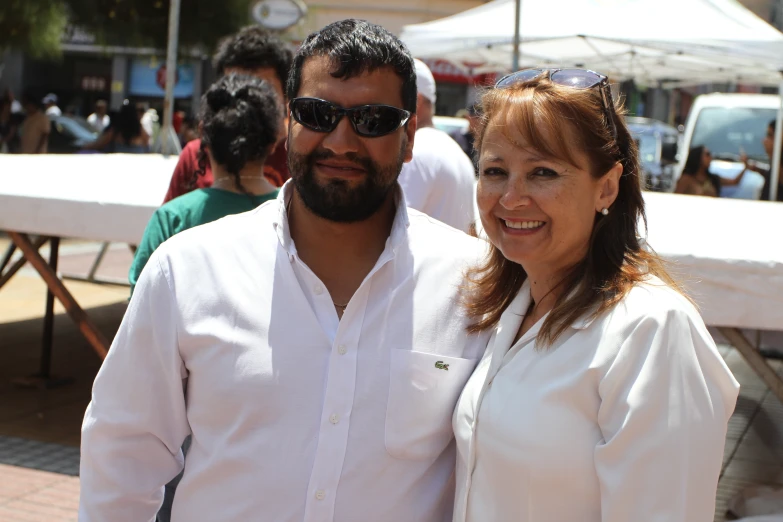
x: 440, y: 366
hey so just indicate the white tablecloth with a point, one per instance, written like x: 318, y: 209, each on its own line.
x: 727, y: 252
x: 103, y: 197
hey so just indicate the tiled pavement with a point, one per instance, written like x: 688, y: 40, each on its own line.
x: 37, y: 496
x: 39, y: 429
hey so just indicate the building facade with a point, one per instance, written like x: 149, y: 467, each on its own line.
x: 391, y: 14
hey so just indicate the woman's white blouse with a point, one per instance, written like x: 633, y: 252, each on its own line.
x: 623, y: 419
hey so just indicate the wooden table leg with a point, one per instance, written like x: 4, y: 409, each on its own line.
x: 96, y: 339
x: 48, y: 328
x: 7, y: 256
x: 13, y: 269
x: 755, y: 360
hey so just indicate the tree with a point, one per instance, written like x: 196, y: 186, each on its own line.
x: 33, y: 25
x: 37, y: 25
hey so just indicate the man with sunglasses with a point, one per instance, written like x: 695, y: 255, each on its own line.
x: 314, y: 347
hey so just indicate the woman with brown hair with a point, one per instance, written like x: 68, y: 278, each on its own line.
x: 601, y: 396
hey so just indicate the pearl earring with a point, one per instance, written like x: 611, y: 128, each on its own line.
x: 605, y: 211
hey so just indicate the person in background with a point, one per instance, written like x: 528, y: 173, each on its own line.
x: 35, y: 127
x: 466, y: 136
x: 188, y: 130
x: 148, y: 117
x: 50, y: 102
x: 123, y: 135
x: 440, y: 179
x: 696, y: 178
x: 769, y: 143
x: 256, y: 51
x: 240, y: 117
x: 601, y: 396
x: 16, y: 106
x: 99, y: 119
x: 8, y: 127
x: 176, y: 121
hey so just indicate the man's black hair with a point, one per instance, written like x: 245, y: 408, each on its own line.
x: 252, y: 48
x: 356, y: 47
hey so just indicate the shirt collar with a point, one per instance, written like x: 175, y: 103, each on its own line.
x: 397, y: 237
x: 520, y: 304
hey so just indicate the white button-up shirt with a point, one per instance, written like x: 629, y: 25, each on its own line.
x: 440, y: 180
x: 295, y: 415
x: 623, y: 419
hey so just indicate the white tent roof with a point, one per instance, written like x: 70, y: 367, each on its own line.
x: 691, y: 41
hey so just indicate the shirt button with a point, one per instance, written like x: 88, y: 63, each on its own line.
x: 320, y: 494
x: 342, y: 349
x: 334, y: 419
x: 318, y: 289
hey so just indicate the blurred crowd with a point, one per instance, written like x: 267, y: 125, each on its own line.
x: 37, y: 125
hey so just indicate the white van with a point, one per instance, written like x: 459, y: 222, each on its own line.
x: 728, y: 124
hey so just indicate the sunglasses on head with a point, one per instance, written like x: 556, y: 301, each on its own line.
x: 369, y: 121
x: 574, y: 78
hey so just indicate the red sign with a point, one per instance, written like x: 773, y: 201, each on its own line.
x: 93, y: 83
x: 447, y: 72
x: 160, y: 77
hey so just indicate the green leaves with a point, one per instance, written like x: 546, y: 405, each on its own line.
x: 37, y: 26
x: 34, y: 25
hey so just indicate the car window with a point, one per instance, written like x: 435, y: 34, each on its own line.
x: 449, y: 125
x: 648, y: 147
x: 74, y: 128
x: 728, y: 130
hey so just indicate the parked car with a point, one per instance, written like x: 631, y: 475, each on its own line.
x: 449, y: 124
x: 729, y: 124
x: 658, y: 145
x: 69, y: 134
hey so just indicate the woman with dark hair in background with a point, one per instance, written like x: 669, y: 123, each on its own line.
x: 697, y: 180
x: 124, y: 134
x: 240, y: 122
x: 260, y: 53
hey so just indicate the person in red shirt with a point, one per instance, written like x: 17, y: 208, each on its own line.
x: 253, y: 51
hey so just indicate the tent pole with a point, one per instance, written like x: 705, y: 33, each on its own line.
x: 516, y: 56
x: 775, y: 167
x: 167, y: 134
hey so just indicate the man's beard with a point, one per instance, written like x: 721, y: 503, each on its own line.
x: 338, y: 200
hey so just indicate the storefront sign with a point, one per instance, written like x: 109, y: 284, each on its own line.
x: 148, y: 78
x: 278, y: 14
x: 93, y: 83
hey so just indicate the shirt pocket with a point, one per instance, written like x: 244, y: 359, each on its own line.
x: 423, y: 390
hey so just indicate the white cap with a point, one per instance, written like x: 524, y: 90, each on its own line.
x: 425, y: 83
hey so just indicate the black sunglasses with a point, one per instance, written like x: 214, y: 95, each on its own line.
x: 370, y: 121
x: 575, y: 78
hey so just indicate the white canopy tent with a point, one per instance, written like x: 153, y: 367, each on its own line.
x: 654, y: 42
x: 651, y: 41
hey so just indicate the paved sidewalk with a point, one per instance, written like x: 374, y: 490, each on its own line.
x: 28, y: 495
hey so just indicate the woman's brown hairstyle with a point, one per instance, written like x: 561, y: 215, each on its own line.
x: 556, y: 120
